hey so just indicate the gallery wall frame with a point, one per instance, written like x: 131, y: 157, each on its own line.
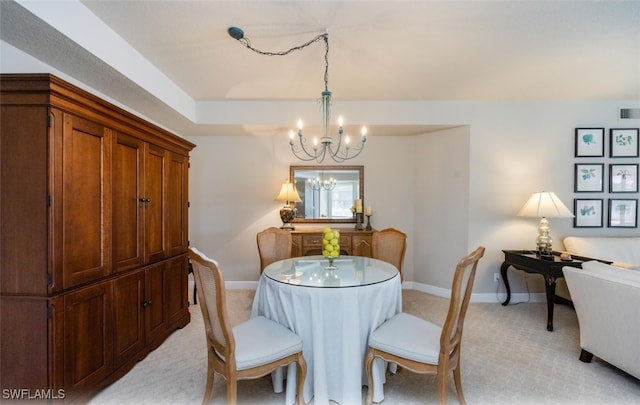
x: 623, y: 213
x: 623, y: 178
x: 588, y: 178
x: 589, y: 142
x: 623, y: 142
x: 588, y: 213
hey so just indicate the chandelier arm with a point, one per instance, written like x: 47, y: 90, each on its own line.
x: 337, y: 151
x: 297, y: 150
x: 303, y: 142
x: 321, y: 156
x: 346, y: 155
x: 303, y: 158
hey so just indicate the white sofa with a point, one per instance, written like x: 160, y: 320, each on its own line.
x: 607, y: 301
x: 607, y: 298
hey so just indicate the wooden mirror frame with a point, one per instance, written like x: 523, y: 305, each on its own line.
x: 359, y: 169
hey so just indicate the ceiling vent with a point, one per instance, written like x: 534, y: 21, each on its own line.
x: 629, y: 114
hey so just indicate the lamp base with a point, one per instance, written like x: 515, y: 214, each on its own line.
x: 544, y: 241
x: 286, y: 215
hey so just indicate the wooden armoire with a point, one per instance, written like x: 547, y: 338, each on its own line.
x: 93, y: 237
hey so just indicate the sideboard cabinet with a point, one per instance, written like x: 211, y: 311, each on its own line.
x: 307, y: 241
x: 93, y: 242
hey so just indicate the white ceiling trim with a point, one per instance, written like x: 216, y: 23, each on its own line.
x: 76, y: 21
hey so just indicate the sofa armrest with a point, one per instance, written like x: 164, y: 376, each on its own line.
x: 606, y: 300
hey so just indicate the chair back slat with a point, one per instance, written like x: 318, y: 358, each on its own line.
x: 462, y: 286
x: 273, y: 244
x: 389, y: 245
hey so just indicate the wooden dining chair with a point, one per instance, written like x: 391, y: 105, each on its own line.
x: 389, y: 245
x: 273, y: 244
x: 249, y: 350
x: 423, y: 347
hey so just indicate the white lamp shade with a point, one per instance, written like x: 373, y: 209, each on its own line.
x: 545, y: 204
x: 288, y: 193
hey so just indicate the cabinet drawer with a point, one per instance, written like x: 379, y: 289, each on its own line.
x: 312, y: 240
x: 316, y: 241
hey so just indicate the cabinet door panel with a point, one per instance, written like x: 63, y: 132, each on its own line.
x: 154, y: 208
x: 155, y: 312
x: 23, y: 208
x: 128, y: 301
x: 128, y: 225
x: 23, y: 344
x: 84, y: 215
x: 177, y: 301
x: 296, y: 245
x: 177, y: 198
x: 361, y: 246
x: 88, y: 343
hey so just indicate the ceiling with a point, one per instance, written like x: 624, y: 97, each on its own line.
x: 174, y: 62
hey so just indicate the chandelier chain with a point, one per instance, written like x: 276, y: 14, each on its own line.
x: 325, y: 36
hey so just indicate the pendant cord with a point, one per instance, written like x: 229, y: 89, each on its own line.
x: 325, y: 36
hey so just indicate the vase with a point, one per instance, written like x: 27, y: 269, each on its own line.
x: 331, y: 266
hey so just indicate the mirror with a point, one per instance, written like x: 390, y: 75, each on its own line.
x: 327, y: 192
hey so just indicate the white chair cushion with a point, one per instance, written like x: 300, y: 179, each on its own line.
x: 408, y: 336
x: 260, y: 340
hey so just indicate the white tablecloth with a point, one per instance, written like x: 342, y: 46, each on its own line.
x: 334, y: 324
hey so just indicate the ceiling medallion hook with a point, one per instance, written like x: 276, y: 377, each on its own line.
x: 319, y: 149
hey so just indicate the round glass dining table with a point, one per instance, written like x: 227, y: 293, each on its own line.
x: 314, y: 271
x: 334, y: 311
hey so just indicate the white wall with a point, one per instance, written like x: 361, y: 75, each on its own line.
x: 234, y: 180
x: 483, y: 172
x: 441, y: 188
x: 504, y: 152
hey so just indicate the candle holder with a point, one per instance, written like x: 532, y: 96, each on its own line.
x: 359, y: 224
x: 368, y: 228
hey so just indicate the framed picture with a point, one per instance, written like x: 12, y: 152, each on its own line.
x: 623, y: 178
x: 587, y: 213
x: 588, y: 178
x: 589, y: 142
x: 623, y: 213
x: 623, y: 142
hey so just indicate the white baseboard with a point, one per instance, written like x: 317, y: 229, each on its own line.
x: 497, y: 297
x: 437, y: 291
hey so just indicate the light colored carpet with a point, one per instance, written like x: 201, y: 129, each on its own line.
x: 508, y: 357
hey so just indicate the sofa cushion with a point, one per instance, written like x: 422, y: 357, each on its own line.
x: 625, y: 251
x: 611, y: 273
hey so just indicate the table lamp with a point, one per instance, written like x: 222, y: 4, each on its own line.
x: 289, y: 195
x: 544, y: 205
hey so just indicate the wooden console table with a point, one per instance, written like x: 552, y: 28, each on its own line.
x: 308, y: 241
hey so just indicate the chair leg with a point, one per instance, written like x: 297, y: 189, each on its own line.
x: 457, y: 379
x: 302, y: 374
x: 442, y: 382
x: 232, y: 391
x: 368, y: 366
x: 208, y: 390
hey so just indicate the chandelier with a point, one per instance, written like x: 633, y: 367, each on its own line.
x: 339, y: 149
x: 327, y: 184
